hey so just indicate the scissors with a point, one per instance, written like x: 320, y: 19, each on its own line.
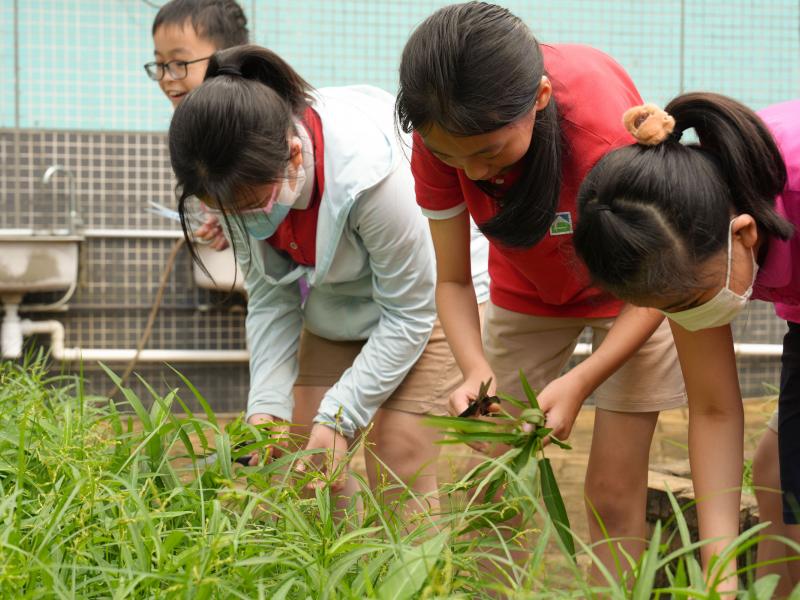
x: 480, y: 406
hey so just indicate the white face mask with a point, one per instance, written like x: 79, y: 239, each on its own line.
x: 723, y: 307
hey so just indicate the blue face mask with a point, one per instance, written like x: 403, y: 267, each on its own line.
x: 262, y: 225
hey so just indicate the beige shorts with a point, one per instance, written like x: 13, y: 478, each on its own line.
x: 425, y: 390
x: 650, y: 380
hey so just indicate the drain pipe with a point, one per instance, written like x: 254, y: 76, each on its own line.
x: 14, y: 331
x: 11, y: 332
x: 749, y: 350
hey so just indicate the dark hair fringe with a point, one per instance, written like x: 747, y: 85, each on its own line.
x: 473, y: 68
x: 221, y: 21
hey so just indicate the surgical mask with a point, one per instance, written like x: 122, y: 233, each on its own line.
x: 262, y: 222
x: 723, y: 307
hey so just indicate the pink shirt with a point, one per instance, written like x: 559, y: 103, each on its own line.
x: 778, y: 279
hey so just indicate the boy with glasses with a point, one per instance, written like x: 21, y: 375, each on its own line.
x: 185, y: 35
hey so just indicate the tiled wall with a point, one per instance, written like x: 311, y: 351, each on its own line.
x: 116, y: 173
x: 73, y: 92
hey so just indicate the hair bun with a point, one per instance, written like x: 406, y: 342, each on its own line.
x: 649, y: 124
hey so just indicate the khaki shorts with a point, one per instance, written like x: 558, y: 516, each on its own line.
x: 425, y: 390
x: 650, y: 380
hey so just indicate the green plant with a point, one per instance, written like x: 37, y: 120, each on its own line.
x: 525, y: 435
x: 107, y: 500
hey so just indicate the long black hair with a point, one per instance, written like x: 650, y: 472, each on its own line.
x: 231, y: 133
x: 473, y: 68
x: 649, y: 214
x: 221, y: 21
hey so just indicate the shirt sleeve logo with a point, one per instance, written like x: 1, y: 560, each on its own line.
x: 562, y: 225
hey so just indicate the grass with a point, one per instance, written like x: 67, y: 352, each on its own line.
x: 99, y: 500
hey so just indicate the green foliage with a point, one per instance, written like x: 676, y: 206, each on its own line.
x: 99, y: 500
x: 525, y: 434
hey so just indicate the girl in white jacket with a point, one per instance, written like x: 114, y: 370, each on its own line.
x: 318, y: 200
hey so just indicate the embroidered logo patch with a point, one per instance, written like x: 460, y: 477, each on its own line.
x: 562, y: 224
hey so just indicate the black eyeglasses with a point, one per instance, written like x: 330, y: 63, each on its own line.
x: 178, y: 69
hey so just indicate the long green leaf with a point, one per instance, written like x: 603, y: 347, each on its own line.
x: 693, y: 568
x: 529, y: 393
x: 465, y: 425
x: 511, y: 400
x: 199, y: 397
x: 648, y: 567
x: 512, y: 439
x: 551, y: 496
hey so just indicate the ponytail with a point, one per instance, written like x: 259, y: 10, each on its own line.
x: 649, y: 214
x: 260, y: 64
x: 748, y: 157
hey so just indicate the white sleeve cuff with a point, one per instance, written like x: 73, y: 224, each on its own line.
x: 448, y: 213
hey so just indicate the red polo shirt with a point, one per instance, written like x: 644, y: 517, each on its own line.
x: 591, y: 91
x: 297, y: 234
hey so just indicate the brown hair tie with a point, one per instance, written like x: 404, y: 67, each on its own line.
x: 649, y: 124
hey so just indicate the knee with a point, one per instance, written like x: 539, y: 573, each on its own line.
x: 406, y: 460
x: 617, y: 503
x: 716, y: 412
x: 766, y: 474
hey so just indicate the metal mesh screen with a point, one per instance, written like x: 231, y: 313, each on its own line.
x: 73, y: 91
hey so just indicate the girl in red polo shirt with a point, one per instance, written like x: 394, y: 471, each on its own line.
x: 504, y: 131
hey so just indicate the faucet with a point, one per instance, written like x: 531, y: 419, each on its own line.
x: 74, y: 219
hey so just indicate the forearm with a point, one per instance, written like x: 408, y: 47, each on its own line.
x: 273, y: 325
x: 716, y: 456
x: 458, y: 313
x: 716, y: 431
x: 632, y: 328
x: 273, y: 366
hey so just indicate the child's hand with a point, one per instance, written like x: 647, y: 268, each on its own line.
x: 464, y: 394
x: 281, y: 430
x: 331, y: 461
x: 211, y: 232
x: 467, y: 392
x: 561, y: 400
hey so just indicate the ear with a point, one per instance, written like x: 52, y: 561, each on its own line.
x: 744, y: 229
x: 295, y: 152
x: 545, y: 92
